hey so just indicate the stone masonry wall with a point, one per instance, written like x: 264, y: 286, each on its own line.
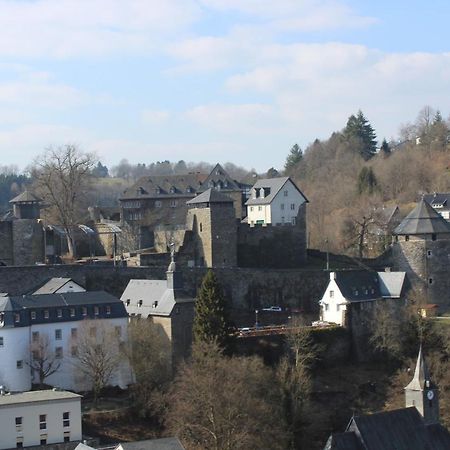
x: 28, y: 241
x: 6, y: 243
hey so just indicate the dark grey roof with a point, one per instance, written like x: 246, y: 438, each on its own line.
x: 160, y: 187
x: 275, y: 185
x: 438, y: 198
x: 438, y: 436
x: 343, y: 441
x: 358, y: 285
x: 27, y: 197
x: 171, y: 443
x: 210, y: 196
x: 400, y: 429
x: 423, y: 219
x: 219, y: 179
x: 52, y: 285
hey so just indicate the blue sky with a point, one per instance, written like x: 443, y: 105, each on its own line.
x: 212, y: 80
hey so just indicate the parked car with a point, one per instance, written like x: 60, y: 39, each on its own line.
x: 273, y: 309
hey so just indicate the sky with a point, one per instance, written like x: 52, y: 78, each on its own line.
x: 213, y: 80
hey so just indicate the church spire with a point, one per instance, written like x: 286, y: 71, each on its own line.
x: 421, y: 375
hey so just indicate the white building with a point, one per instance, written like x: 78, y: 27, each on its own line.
x: 39, y: 418
x: 352, y: 287
x: 53, y: 322
x: 274, y: 201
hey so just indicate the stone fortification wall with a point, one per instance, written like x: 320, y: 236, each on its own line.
x: 28, y: 241
x: 6, y: 243
x: 246, y: 288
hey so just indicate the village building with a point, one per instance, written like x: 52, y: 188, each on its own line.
x: 52, y: 322
x: 440, y: 202
x: 415, y: 427
x: 350, y: 292
x: 274, y: 201
x: 39, y: 418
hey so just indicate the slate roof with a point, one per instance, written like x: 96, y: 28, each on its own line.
x: 171, y: 443
x: 36, y: 396
x: 391, y: 283
x: 220, y: 178
x: 52, y: 285
x: 401, y: 429
x: 438, y: 198
x: 159, y: 187
x: 358, y: 285
x: 275, y: 185
x: 210, y: 196
x: 25, y: 196
x: 343, y: 441
x: 149, y: 292
x: 423, y: 219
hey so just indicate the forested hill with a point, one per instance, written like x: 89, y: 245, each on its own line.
x: 11, y: 184
x: 347, y: 178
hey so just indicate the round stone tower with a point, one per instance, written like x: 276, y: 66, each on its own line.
x: 422, y: 249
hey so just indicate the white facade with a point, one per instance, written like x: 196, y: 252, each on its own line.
x: 39, y: 418
x: 333, y: 304
x: 16, y: 354
x: 277, y: 204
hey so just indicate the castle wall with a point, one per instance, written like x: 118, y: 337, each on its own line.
x: 6, y: 243
x: 28, y: 242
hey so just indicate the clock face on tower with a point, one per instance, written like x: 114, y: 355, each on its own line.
x: 430, y: 395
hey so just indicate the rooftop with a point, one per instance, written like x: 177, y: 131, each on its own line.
x: 37, y: 396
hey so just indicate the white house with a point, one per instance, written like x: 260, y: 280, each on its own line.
x: 55, y: 320
x: 39, y: 418
x: 347, y: 288
x: 274, y: 201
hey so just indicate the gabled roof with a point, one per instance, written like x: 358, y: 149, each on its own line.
x: 27, y: 197
x: 37, y: 396
x: 164, y: 186
x: 210, y: 196
x: 170, y: 443
x: 421, y: 374
x: 358, y: 285
x: 220, y: 177
x: 343, y: 441
x: 423, y: 219
x: 391, y: 283
x: 157, y: 299
x: 438, y: 198
x: 275, y: 185
x: 53, y: 285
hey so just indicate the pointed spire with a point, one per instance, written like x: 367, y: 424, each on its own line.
x: 421, y: 375
x: 174, y: 276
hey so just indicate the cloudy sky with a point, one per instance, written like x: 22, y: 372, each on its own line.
x: 213, y: 80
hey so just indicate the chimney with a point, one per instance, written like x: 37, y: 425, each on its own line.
x: 332, y: 275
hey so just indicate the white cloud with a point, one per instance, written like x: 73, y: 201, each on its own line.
x: 151, y: 116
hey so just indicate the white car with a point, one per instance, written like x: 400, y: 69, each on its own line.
x: 273, y: 309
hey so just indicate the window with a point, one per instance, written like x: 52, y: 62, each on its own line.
x: 429, y: 253
x: 128, y: 302
x: 139, y: 303
x: 331, y: 294
x: 326, y: 306
x: 84, y: 311
x: 173, y: 203
x: 108, y: 310
x: 282, y: 206
x: 406, y: 238
x: 251, y: 208
x: 92, y: 331
x: 294, y: 220
x: 285, y: 193
x: 430, y: 280
x: 433, y: 237
x: 18, y: 423
x: 201, y: 228
x: 282, y: 219
x: 44, y: 441
x: 1, y: 341
x: 74, y: 351
x: 33, y: 315
x: 66, y: 419
x: 59, y: 313
x: 72, y: 312
x: 96, y: 310
x: 35, y: 336
x: 58, y: 334
x: 66, y: 437
x: 17, y: 318
x: 338, y: 307
x: 155, y: 304
x: 19, y: 364
x: 58, y: 352
x: 35, y: 355
x: 356, y: 292
x: 259, y: 208
x: 293, y: 206
x: 118, y: 330
x: 74, y: 333
x: 158, y: 204
x: 46, y: 314
x: 19, y: 442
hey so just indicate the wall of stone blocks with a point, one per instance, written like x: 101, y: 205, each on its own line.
x: 6, y: 243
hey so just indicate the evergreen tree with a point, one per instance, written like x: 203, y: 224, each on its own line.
x: 359, y: 128
x: 210, y: 322
x: 294, y: 157
x: 385, y: 149
x: 367, y: 181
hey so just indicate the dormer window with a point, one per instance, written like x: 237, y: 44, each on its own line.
x: 172, y: 190
x: 188, y: 189
x: 211, y: 183
x: 128, y: 302
x: 157, y: 190
x: 155, y: 304
x: 257, y: 193
x: 139, y: 303
x: 266, y: 192
x: 356, y: 292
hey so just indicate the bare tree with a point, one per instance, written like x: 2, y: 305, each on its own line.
x: 62, y: 177
x: 96, y: 351
x: 44, y: 362
x: 223, y: 403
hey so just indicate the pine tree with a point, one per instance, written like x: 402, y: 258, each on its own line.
x: 385, y: 149
x: 210, y: 322
x: 359, y: 128
x: 294, y: 157
x: 367, y: 182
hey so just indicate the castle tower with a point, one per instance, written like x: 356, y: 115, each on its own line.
x: 421, y: 248
x: 212, y: 217
x: 26, y: 206
x: 422, y: 393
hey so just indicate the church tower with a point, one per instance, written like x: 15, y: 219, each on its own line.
x: 422, y: 393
